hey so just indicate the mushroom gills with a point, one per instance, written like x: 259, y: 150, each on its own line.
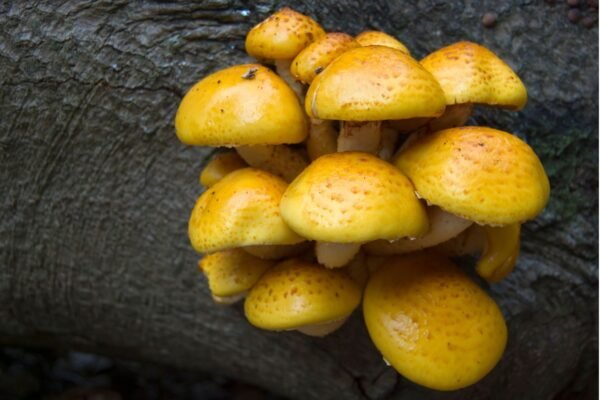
x: 455, y: 115
x: 335, y: 255
x: 229, y: 300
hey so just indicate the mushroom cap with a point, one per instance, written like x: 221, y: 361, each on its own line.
x: 374, y: 83
x: 241, y: 105
x: 242, y: 209
x: 319, y: 54
x: 352, y: 197
x: 470, y: 73
x: 378, y: 38
x: 297, y: 293
x: 231, y: 272
x: 282, y: 35
x: 220, y: 165
x: 432, y: 323
x: 481, y: 174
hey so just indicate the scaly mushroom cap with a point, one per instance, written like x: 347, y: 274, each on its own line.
x: 241, y: 105
x: 352, y: 197
x: 481, y: 174
x: 282, y: 35
x: 232, y: 272
x: 297, y: 293
x: 242, y: 209
x: 374, y: 83
x: 378, y: 38
x: 319, y: 54
x: 432, y: 323
x: 470, y: 73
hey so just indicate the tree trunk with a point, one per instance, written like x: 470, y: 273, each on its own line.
x: 96, y: 192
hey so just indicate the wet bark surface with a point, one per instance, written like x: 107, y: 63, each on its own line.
x: 97, y: 192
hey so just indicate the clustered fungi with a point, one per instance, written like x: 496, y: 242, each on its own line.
x: 364, y: 194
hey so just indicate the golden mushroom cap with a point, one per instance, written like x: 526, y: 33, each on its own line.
x: 242, y: 209
x: 374, y: 83
x: 470, y: 73
x: 478, y: 173
x: 241, y: 105
x: 432, y: 323
x: 297, y: 293
x: 221, y: 165
x: 378, y: 38
x: 282, y: 35
x: 319, y: 54
x: 231, y: 272
x: 352, y: 197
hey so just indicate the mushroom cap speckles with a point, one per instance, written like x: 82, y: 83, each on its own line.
x: 282, y: 35
x: 242, y: 209
x: 470, y: 73
x: 297, y: 293
x: 378, y: 38
x: 353, y: 197
x: 318, y: 55
x: 232, y: 271
x: 374, y: 83
x: 478, y: 173
x: 241, y: 105
x: 432, y: 323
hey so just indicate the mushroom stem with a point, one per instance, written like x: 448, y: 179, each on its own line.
x: 335, y: 255
x: 281, y: 160
x: 283, y: 69
x: 323, y: 329
x: 360, y: 136
x: 221, y: 165
x: 443, y: 226
x: 389, y: 139
x: 454, y: 116
x: 322, y: 138
x: 500, y: 252
x: 358, y: 269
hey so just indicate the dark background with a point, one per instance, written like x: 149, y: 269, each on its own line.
x: 96, y: 192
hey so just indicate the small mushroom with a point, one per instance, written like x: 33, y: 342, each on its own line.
x: 231, y: 273
x: 242, y: 209
x: 378, y: 38
x: 481, y: 174
x: 345, y: 199
x: 471, y: 74
x: 280, y: 38
x: 220, y: 165
x: 298, y: 295
x: 367, y: 85
x: 431, y: 323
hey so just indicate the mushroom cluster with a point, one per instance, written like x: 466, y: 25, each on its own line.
x: 354, y: 180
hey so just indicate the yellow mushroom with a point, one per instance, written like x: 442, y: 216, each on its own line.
x: 378, y: 38
x: 231, y: 273
x: 249, y: 106
x: 242, y: 209
x: 367, y: 85
x: 280, y: 38
x: 485, y: 175
x: 345, y: 199
x: 432, y: 323
x: 298, y: 295
x: 471, y: 74
x: 221, y: 165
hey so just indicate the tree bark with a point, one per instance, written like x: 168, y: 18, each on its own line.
x: 96, y: 192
